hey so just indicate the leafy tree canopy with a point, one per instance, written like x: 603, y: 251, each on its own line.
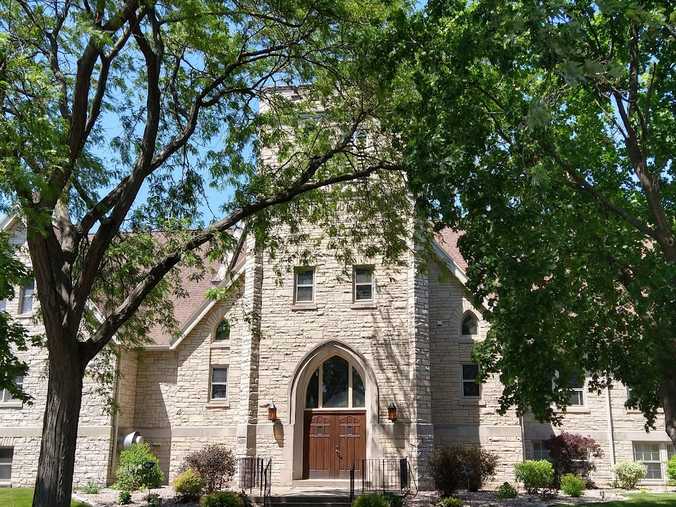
x: 122, y: 118
x: 545, y: 131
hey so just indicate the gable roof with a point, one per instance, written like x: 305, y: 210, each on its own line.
x: 446, y: 247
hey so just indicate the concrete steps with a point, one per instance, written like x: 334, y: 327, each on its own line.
x: 303, y: 501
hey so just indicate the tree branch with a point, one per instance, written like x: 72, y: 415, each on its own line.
x: 135, y: 298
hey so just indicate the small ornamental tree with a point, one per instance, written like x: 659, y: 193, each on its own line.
x: 571, y: 453
x: 215, y: 464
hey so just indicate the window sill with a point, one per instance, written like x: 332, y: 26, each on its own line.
x: 217, y: 345
x: 468, y: 338
x: 578, y: 410
x: 5, y: 484
x: 472, y: 402
x: 300, y: 307
x: 218, y: 404
x: 364, y: 305
x: 25, y: 315
x: 11, y: 404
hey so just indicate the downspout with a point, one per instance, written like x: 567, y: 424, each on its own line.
x: 523, y: 438
x: 116, y: 416
x: 611, y: 432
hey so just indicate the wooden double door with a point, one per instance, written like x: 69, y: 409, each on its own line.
x: 333, y: 442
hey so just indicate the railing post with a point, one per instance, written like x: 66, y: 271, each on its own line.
x: 403, y: 473
x: 351, y: 483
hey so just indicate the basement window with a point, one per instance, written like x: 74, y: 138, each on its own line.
x: 6, y: 456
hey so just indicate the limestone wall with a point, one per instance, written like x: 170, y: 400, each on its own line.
x: 172, y: 406
x: 21, y: 424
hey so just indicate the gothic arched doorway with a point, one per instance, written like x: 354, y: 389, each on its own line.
x: 334, y: 430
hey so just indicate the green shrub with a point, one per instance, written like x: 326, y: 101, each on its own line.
x: 628, y: 473
x: 154, y: 500
x: 371, y: 500
x: 572, y: 485
x: 188, y: 484
x: 454, y: 468
x: 91, y: 488
x: 537, y: 476
x: 124, y: 498
x: 506, y: 490
x: 139, y: 468
x: 394, y: 500
x: 214, y: 463
x: 222, y: 499
x: 449, y: 501
x: 671, y: 470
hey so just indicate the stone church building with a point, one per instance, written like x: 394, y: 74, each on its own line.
x: 318, y: 373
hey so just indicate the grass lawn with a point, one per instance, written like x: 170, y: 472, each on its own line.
x: 640, y: 500
x: 23, y: 497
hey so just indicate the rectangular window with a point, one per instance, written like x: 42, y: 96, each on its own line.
x: 539, y: 450
x: 219, y: 383
x: 576, y: 398
x: 304, y: 285
x: 26, y: 297
x: 6, y: 455
x: 470, y: 386
x: 5, y: 395
x: 648, y: 453
x: 363, y: 283
x: 3, y: 305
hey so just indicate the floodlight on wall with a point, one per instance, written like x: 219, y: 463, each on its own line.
x: 392, y: 412
x: 272, y: 412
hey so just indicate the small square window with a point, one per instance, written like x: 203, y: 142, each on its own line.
x: 470, y: 386
x: 219, y: 383
x: 363, y: 283
x: 540, y: 451
x: 648, y: 453
x: 6, y: 457
x: 26, y: 298
x: 576, y: 397
x: 6, y: 396
x: 304, y: 285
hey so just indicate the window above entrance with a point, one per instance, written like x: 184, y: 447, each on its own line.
x: 335, y: 384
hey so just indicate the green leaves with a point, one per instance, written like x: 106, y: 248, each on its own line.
x: 511, y: 129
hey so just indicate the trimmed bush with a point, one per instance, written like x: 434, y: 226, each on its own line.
x: 570, y: 453
x: 628, y: 473
x: 215, y: 464
x: 139, y: 468
x: 450, y: 501
x: 394, y: 500
x: 671, y: 470
x: 222, y: 499
x: 454, y: 468
x: 154, y: 500
x: 188, y: 484
x: 91, y: 488
x: 506, y: 490
x: 537, y: 476
x: 124, y: 498
x: 572, y: 485
x: 371, y: 500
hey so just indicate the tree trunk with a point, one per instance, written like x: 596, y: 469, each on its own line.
x: 53, y: 487
x: 670, y: 408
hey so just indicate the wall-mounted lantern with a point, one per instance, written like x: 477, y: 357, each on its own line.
x: 272, y: 412
x: 392, y: 412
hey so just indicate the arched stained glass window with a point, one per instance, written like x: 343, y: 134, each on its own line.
x: 335, y: 384
x: 470, y: 324
x: 222, y: 331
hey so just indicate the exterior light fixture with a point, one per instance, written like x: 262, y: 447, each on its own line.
x: 392, y: 412
x: 272, y: 412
